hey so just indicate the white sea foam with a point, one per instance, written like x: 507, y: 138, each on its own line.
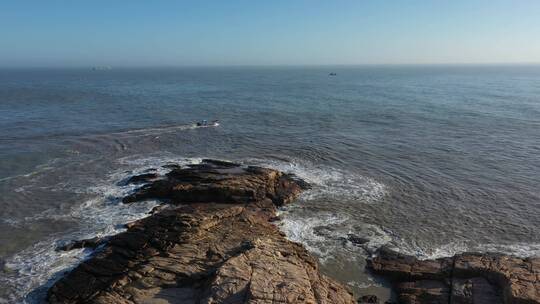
x: 304, y: 230
x: 410, y: 247
x: 37, y: 267
x: 30, y: 271
x: 156, y: 161
x: 329, y: 182
x: 336, y: 184
x: 326, y: 233
x: 517, y: 249
x: 457, y: 247
x: 40, y: 264
x: 322, y: 233
x: 362, y: 285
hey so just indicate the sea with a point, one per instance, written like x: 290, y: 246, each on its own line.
x: 429, y: 160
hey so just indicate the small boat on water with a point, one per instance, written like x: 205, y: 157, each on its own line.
x: 332, y: 74
x: 205, y: 123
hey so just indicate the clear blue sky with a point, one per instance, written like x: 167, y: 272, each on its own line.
x: 250, y: 32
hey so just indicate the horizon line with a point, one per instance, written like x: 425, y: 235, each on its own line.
x: 122, y: 66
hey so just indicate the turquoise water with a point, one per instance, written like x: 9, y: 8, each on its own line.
x: 430, y: 160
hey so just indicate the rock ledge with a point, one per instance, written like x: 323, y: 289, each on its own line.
x: 470, y: 278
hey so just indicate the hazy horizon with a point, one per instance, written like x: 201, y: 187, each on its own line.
x: 381, y: 65
x: 281, y: 33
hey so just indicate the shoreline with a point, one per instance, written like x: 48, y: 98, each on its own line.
x: 155, y: 187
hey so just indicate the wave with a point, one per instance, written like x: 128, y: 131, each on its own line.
x: 325, y: 233
x: 328, y: 182
x: 522, y: 250
x: 30, y: 272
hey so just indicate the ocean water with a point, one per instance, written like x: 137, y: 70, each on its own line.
x: 429, y: 160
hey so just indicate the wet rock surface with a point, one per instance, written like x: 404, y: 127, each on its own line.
x: 221, y: 182
x: 142, y: 178
x: 216, y: 244
x: 86, y: 243
x: 465, y: 278
x: 371, y: 299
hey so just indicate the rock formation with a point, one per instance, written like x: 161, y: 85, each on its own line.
x: 470, y: 278
x: 215, y: 243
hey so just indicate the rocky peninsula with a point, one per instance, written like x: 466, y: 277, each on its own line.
x: 213, y: 241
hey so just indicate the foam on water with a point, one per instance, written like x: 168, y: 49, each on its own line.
x: 157, y: 161
x: 304, y: 230
x: 40, y: 265
x: 328, y: 182
x: 410, y: 247
x: 30, y: 272
x: 326, y: 233
x: 517, y: 249
x: 456, y: 247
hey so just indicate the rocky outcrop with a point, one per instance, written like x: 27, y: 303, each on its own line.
x: 216, y: 244
x: 465, y: 278
x: 221, y: 182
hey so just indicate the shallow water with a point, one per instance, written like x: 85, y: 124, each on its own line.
x: 431, y: 160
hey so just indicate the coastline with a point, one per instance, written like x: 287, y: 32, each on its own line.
x: 214, y: 241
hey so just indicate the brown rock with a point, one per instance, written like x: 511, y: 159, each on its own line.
x: 219, y: 249
x: 466, y: 278
x: 221, y: 182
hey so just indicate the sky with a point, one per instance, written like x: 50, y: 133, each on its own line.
x: 282, y: 32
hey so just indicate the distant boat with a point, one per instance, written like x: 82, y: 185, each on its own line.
x: 205, y: 123
x: 332, y: 74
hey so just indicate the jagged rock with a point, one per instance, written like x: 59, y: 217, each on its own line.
x: 358, y: 240
x: 465, y: 278
x: 221, y: 182
x: 87, y: 243
x: 216, y: 246
x: 368, y: 299
x: 142, y: 178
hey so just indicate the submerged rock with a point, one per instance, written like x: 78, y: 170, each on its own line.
x: 357, y: 240
x: 86, y: 243
x: 465, y: 278
x: 216, y: 244
x: 142, y: 178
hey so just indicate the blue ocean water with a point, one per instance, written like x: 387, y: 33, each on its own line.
x: 430, y: 160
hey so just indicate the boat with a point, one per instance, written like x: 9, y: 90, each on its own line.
x: 205, y: 123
